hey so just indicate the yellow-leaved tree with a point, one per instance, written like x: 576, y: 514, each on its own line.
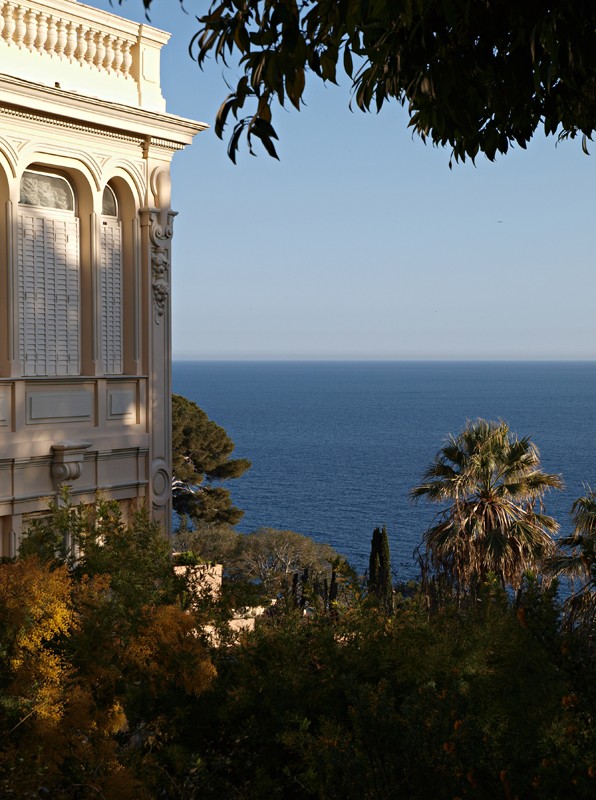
x: 99, y: 658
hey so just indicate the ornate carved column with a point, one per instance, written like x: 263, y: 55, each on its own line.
x: 157, y: 230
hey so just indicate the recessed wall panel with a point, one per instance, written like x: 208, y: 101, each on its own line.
x: 122, y: 403
x: 5, y: 406
x: 66, y: 406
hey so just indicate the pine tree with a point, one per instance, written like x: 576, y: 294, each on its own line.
x: 379, y: 571
x: 201, y: 454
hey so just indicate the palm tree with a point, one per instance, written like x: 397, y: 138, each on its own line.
x: 493, y: 523
x: 580, y: 562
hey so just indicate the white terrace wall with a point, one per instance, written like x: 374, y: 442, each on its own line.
x: 85, y: 260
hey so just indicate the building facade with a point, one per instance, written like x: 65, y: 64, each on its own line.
x: 85, y: 261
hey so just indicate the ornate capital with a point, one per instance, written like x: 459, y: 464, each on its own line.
x: 161, y: 225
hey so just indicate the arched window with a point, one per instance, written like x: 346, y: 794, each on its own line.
x: 48, y: 276
x: 110, y: 284
x: 109, y: 204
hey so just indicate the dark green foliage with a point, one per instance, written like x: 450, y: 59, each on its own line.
x: 211, y: 543
x: 96, y: 540
x: 577, y: 560
x: 264, y: 565
x: 201, y: 452
x: 469, y: 703
x: 478, y: 77
x: 487, y: 698
x: 380, y: 586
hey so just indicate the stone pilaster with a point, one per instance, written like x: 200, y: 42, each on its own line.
x: 157, y: 230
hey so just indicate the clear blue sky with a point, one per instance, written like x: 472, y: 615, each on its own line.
x: 361, y: 243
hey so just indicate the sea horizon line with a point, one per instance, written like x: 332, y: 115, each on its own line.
x: 340, y: 360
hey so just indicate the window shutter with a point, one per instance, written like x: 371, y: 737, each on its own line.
x: 48, y: 253
x: 110, y: 288
x: 29, y: 257
x: 68, y: 312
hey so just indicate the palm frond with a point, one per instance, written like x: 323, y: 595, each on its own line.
x: 494, y: 482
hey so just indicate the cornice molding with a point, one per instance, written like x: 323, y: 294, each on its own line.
x: 141, y: 141
x: 165, y: 144
x: 68, y: 109
x: 57, y: 122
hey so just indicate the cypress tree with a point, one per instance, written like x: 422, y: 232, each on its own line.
x: 333, y: 589
x: 379, y: 570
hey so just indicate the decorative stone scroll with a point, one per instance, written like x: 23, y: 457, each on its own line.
x: 161, y: 229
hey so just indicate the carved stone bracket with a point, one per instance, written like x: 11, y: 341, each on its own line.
x: 68, y: 458
x: 161, y: 229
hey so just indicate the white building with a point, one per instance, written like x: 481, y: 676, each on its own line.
x: 85, y: 238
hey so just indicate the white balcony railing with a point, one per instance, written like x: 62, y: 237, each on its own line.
x: 65, y: 44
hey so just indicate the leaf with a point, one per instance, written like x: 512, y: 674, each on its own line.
x: 379, y: 96
x: 269, y: 146
x: 233, y: 144
x: 241, y: 39
x: 264, y: 109
x: 328, y: 64
x: 265, y: 132
x: 348, y: 64
x: 265, y: 126
x: 222, y: 114
x: 295, y: 87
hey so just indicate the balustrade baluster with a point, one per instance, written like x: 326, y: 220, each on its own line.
x: 31, y: 29
x: 91, y: 47
x: 20, y: 27
x: 126, y: 58
x: 118, y: 56
x: 42, y: 33
x: 52, y: 36
x: 100, y: 53
x: 9, y: 23
x: 71, y: 40
x: 81, y: 47
x: 109, y: 56
x: 61, y: 38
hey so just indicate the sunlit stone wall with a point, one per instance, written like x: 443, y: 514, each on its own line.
x: 85, y: 347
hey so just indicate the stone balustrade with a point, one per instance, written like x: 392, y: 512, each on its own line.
x: 51, y: 34
x: 71, y: 46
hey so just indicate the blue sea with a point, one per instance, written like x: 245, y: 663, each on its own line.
x: 336, y: 446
